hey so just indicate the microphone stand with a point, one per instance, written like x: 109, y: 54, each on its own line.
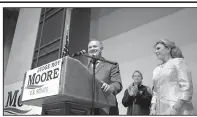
x: 94, y: 60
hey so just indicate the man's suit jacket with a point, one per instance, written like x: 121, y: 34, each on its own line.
x: 109, y: 74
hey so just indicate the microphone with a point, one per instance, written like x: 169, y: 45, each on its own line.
x: 79, y: 53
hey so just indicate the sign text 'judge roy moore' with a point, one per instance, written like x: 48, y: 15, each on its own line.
x: 42, y: 81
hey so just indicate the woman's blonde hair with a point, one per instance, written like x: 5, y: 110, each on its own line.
x: 175, y: 51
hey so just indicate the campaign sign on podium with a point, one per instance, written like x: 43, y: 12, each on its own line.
x: 42, y: 81
x: 64, y: 87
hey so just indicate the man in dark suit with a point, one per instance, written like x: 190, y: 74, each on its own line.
x: 107, y: 74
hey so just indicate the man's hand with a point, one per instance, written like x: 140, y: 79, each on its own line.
x: 105, y: 87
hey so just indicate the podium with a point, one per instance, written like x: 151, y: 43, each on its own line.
x: 68, y: 92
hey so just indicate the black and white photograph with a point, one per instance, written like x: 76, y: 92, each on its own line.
x: 99, y: 58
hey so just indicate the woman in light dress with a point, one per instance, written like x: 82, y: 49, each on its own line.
x: 172, y: 81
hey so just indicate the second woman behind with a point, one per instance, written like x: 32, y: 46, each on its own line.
x: 137, y: 96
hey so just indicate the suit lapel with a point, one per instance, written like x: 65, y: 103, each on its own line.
x: 90, y: 67
x: 100, y: 65
x: 98, y: 68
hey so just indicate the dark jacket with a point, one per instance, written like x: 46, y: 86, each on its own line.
x: 109, y: 74
x: 141, y: 102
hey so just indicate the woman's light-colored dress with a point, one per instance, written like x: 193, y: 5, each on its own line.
x: 172, y: 81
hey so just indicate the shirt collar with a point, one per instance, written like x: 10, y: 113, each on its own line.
x: 138, y: 85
